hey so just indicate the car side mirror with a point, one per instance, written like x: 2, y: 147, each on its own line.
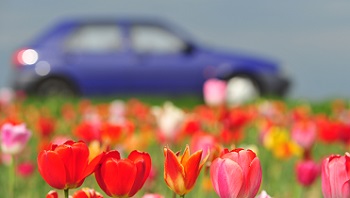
x: 189, y: 49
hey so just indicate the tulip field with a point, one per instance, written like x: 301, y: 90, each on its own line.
x: 181, y: 147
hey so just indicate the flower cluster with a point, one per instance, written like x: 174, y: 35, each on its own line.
x: 67, y: 165
x: 231, y: 146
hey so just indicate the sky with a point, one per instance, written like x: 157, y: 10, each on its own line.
x: 309, y: 38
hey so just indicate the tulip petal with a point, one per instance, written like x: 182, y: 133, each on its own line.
x: 326, y: 185
x: 52, y: 169
x: 112, y: 154
x: 174, y: 172
x: 119, y: 176
x: 346, y: 189
x: 98, y: 171
x: 92, y: 165
x: 100, y: 181
x: 192, y: 169
x: 143, y: 165
x: 227, y: 177
x: 80, y: 194
x: 253, y: 181
x: 338, y: 175
x: 75, y: 157
x: 185, y: 156
x: 242, y: 157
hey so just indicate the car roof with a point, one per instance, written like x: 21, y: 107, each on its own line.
x: 119, y: 20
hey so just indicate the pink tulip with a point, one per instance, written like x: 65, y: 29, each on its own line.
x: 207, y: 143
x: 149, y: 195
x: 214, y: 92
x: 14, y: 138
x: 336, y: 176
x: 304, y: 133
x: 263, y: 194
x: 236, y: 174
x: 25, y: 169
x: 307, y: 171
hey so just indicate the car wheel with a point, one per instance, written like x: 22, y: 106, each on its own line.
x: 241, y: 89
x: 55, y: 87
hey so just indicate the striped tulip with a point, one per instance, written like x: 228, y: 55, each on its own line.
x: 181, y: 171
x: 236, y: 174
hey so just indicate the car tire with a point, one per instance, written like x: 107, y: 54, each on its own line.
x: 241, y: 89
x: 55, y: 87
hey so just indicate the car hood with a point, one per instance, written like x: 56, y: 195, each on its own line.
x: 240, y: 58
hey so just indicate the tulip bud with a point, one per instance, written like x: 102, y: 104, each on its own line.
x: 307, y: 171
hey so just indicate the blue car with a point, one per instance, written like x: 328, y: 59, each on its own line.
x: 123, y: 56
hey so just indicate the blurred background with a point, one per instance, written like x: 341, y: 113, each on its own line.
x: 309, y: 38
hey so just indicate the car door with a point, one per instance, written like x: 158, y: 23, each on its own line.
x: 96, y: 56
x: 164, y: 62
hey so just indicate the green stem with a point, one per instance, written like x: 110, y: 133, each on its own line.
x: 66, y: 194
x: 12, y: 178
x: 182, y: 196
x: 174, y: 195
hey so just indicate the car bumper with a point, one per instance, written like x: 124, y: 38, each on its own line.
x: 25, y: 82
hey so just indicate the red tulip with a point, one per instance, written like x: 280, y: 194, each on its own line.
x: 46, y: 126
x: 52, y: 194
x: 87, y: 193
x: 307, y: 171
x: 336, y: 176
x: 112, y: 133
x: 67, y: 165
x: 181, y: 172
x: 328, y: 129
x: 88, y: 131
x: 236, y: 174
x: 123, y: 177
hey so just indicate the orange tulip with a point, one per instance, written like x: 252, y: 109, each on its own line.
x: 181, y: 171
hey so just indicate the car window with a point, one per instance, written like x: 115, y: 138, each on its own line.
x: 95, y: 38
x: 153, y: 39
